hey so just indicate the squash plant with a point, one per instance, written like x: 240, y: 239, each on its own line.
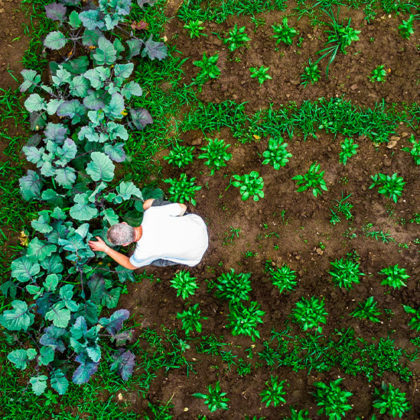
x: 82, y: 117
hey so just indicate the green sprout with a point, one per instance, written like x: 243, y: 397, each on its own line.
x: 414, y: 322
x: 415, y: 150
x: 391, y: 401
x: 191, y: 319
x: 184, y: 283
x: 332, y: 399
x: 284, y: 33
x: 284, y: 278
x: 276, y: 153
x: 216, y: 154
x: 378, y: 74
x: 395, y: 276
x: 195, y: 28
x: 348, y: 149
x: 345, y: 272
x: 389, y: 186
x: 250, y: 185
x: 243, y: 320
x: 344, y: 207
x: 310, y: 74
x: 260, y: 74
x: 209, y: 69
x: 215, y: 399
x: 180, y: 156
x: 298, y: 415
x: 274, y: 392
x: 237, y: 38
x: 314, y: 179
x: 406, y: 28
x: 233, y: 287
x: 367, y: 310
x: 309, y: 313
x: 183, y: 189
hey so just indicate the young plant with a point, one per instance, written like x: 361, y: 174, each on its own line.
x: 367, y: 310
x: 414, y: 322
x: 216, y: 154
x: 310, y: 313
x: 243, y: 320
x: 332, y: 399
x: 348, y: 149
x: 182, y: 189
x: 276, y: 153
x: 345, y: 272
x: 195, y: 28
x: 274, y: 392
x: 260, y: 74
x: 378, y: 74
x: 237, y: 38
x: 233, y: 287
x: 250, y: 185
x: 180, y: 156
x: 314, y: 179
x: 391, y: 401
x: 191, y: 319
x: 415, y: 150
x: 406, y: 28
x: 209, y: 69
x: 215, y: 399
x: 298, y: 415
x: 344, y: 207
x: 184, y: 283
x: 284, y: 33
x: 284, y: 278
x: 389, y: 186
x: 310, y: 74
x: 395, y: 276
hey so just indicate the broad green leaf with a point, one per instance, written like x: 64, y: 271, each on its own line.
x: 115, y: 107
x: 94, y: 352
x: 123, y: 70
x: 90, y: 38
x: 72, y: 109
x: 52, y: 197
x: 65, y: 177
x: 131, y: 89
x: 154, y: 50
x: 116, y: 131
x: 39, y: 250
x: 79, y: 86
x: 83, y: 230
x: 114, y: 323
x: 82, y: 210
x: 110, y: 216
x: 33, y: 154
x: 68, y: 150
x: 55, y: 40
x: 51, y: 338
x: 93, y: 101
x: 52, y: 264
x: 46, y: 356
x: 66, y: 293
x: 111, y: 297
x: 91, y: 19
x: 89, y: 311
x: 51, y: 282
x: 59, y: 315
x: 30, y: 79
x: 39, y: 384
x: 35, y: 290
x: 61, y: 76
x: 98, y: 76
x: 100, y: 168
x: 96, y: 117
x: 56, y: 132
x: 115, y: 152
x: 124, y: 274
x: 53, y: 105
x: 58, y: 214
x: 134, y: 46
x: 127, y: 190
x: 74, y: 20
x: 105, y: 53
x: 42, y: 224
x: 17, y: 319
x: 59, y: 382
x: 21, y: 357
x: 35, y: 103
x: 24, y: 269
x: 78, y: 65
x: 83, y: 373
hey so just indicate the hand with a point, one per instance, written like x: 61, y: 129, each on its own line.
x: 100, y: 245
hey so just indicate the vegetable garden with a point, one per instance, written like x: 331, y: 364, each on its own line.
x: 292, y: 128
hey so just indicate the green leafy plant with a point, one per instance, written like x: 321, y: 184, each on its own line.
x: 298, y: 415
x: 195, y: 28
x: 284, y: 278
x: 274, y: 392
x: 209, y: 69
x: 310, y: 313
x: 184, y: 283
x: 415, y: 150
x: 389, y: 186
x: 414, y: 322
x: 237, y: 38
x: 215, y: 399
x: 243, y: 320
x: 191, y: 319
x: 348, y: 149
x: 276, y: 154
x: 314, y: 179
x: 183, y: 189
x: 261, y: 74
x: 180, y: 156
x: 332, y: 399
x: 345, y: 272
x: 284, y: 33
x: 391, y: 401
x: 233, y: 287
x: 406, y: 28
x: 378, y: 74
x: 216, y: 154
x: 250, y: 185
x: 394, y: 276
x: 311, y: 74
x: 342, y: 206
x: 367, y: 310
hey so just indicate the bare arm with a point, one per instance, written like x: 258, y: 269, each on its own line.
x: 148, y: 203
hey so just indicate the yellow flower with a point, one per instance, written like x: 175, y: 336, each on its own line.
x: 256, y: 137
x: 124, y: 112
x: 23, y: 238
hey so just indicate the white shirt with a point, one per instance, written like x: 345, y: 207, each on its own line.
x: 167, y: 235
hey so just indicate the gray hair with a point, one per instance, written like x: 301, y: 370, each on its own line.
x: 120, y: 234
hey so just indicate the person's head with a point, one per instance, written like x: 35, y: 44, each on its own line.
x: 121, y: 234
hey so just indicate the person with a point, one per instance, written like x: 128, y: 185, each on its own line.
x: 165, y: 237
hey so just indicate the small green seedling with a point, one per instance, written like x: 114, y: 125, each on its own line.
x: 209, y: 69
x: 414, y: 322
x: 284, y: 277
x: 237, y: 38
x: 184, y: 283
x: 314, y: 179
x: 233, y: 287
x: 395, y: 276
x: 367, y: 310
x: 180, y: 156
x: 243, y: 320
x: 215, y: 399
x: 250, y: 185
x: 344, y: 207
x: 276, y: 153
x: 415, y: 150
x: 345, y: 272
x: 284, y: 33
x: 298, y: 415
x: 274, y: 392
x: 195, y: 28
x: 391, y: 401
x: 183, y: 189
x: 406, y: 28
x: 191, y: 319
x: 348, y: 149
x: 311, y: 74
x: 310, y: 313
x: 216, y: 154
x: 260, y: 74
x: 378, y: 74
x: 390, y: 186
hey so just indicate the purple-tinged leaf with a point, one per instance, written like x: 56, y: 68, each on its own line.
x: 86, y: 369
x: 51, y: 338
x: 97, y: 288
x: 30, y: 185
x: 114, y: 323
x: 56, y: 11
x: 140, y: 117
x: 115, y: 152
x: 134, y: 46
x: 124, y: 362
x: 123, y: 337
x: 141, y: 3
x: 154, y: 50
